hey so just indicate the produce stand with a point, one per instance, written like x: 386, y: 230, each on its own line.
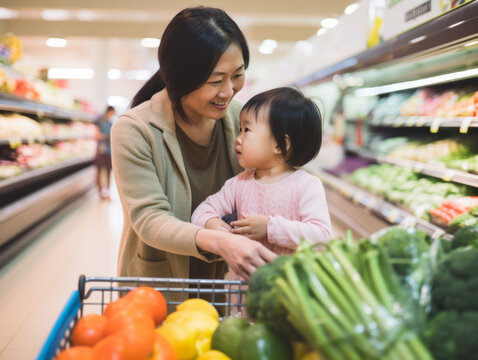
x: 94, y: 293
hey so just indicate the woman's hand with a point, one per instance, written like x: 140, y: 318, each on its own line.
x: 242, y: 254
x: 252, y: 226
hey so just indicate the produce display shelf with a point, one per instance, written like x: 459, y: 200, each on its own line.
x: 10, y: 102
x: 435, y: 35
x: 14, y: 141
x: 433, y: 122
x: 376, y: 205
x: 94, y: 293
x: 32, y: 176
x: 437, y: 171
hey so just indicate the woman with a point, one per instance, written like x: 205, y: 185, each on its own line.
x: 176, y: 146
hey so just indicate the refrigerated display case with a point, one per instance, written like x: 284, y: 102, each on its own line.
x: 411, y: 102
x: 46, y: 161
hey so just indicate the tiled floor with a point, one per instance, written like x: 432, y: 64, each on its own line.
x: 35, y: 286
x: 37, y: 283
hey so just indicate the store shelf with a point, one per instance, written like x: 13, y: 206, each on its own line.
x: 15, y: 141
x: 433, y: 122
x: 443, y: 173
x: 436, y: 35
x: 10, y: 102
x: 376, y: 205
x: 22, y: 220
x: 29, y: 177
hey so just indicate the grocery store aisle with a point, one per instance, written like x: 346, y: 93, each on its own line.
x: 36, y: 284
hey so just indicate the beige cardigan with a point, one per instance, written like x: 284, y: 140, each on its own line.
x: 158, y: 238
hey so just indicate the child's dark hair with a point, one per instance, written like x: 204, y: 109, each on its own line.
x: 294, y: 115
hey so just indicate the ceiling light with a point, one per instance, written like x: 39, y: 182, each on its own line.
x: 56, y: 42
x: 55, y: 14
x: 321, y: 31
x: 268, y: 46
x: 86, y: 15
x: 139, y: 74
x: 7, y: 13
x: 119, y: 101
x: 329, y: 23
x: 471, y: 43
x: 413, y: 84
x: 70, y: 73
x: 351, y: 8
x: 114, y: 74
x: 150, y: 42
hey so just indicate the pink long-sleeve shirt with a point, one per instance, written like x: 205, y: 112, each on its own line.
x: 296, y: 207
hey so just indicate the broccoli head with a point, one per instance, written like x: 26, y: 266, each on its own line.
x: 405, y: 248
x: 452, y: 335
x: 466, y: 236
x: 455, y: 284
x: 263, y: 304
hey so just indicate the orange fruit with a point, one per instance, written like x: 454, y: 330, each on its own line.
x: 89, y: 330
x: 126, y: 316
x: 116, y: 306
x: 111, y: 348
x: 152, y: 299
x: 163, y: 349
x: 139, y: 339
x: 76, y: 353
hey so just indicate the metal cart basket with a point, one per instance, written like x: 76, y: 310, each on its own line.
x: 94, y: 293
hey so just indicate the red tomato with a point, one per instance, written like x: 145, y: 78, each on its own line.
x: 89, y: 330
x: 76, y: 353
x: 152, y: 299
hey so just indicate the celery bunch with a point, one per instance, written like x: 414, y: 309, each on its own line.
x: 347, y: 303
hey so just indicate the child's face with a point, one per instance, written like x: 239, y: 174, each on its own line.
x: 255, y: 145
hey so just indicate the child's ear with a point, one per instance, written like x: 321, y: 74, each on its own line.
x: 277, y: 150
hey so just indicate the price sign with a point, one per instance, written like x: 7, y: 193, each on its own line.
x: 465, y: 124
x: 14, y: 142
x: 421, y: 120
x: 409, y: 222
x: 399, y: 122
x: 411, y: 121
x: 435, y: 125
x: 448, y: 175
x: 393, y: 215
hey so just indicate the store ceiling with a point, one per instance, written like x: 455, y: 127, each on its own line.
x: 279, y: 20
x: 119, y: 25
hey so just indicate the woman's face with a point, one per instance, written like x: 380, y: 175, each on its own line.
x: 211, y: 100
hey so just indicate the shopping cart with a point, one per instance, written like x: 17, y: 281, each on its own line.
x: 94, y: 293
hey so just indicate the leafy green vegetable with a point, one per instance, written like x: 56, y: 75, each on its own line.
x: 455, y: 284
x: 347, y: 303
x: 262, y: 303
x: 466, y: 236
x: 452, y: 335
x: 405, y: 248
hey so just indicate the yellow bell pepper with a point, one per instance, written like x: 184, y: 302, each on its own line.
x: 199, y: 305
x: 189, y: 333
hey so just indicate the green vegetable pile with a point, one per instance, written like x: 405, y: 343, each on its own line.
x: 345, y: 301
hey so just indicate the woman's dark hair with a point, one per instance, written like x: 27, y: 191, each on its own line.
x: 292, y: 115
x: 190, y: 48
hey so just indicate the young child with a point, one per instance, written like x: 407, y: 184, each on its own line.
x: 276, y: 202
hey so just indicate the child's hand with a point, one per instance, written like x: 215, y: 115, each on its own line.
x: 252, y: 226
x: 217, y: 224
